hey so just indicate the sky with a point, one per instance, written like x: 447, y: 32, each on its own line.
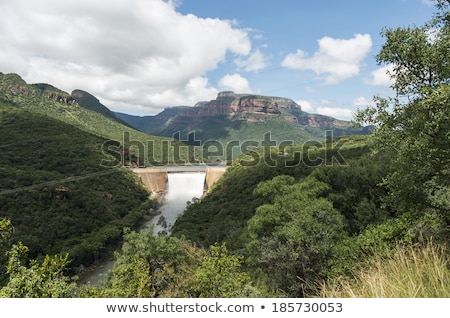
x: 141, y: 56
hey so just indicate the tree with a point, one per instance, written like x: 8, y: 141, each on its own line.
x: 415, y: 125
x: 220, y: 275
x: 6, y: 229
x: 293, y: 238
x: 45, y: 280
x: 150, y: 266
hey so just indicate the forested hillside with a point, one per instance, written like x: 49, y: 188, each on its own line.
x: 55, y: 192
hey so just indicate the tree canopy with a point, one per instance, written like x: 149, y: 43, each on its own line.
x: 414, y: 126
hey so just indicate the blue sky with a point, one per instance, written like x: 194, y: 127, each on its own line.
x: 140, y: 56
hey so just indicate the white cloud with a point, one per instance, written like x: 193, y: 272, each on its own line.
x: 336, y: 59
x: 131, y: 53
x: 362, y: 101
x: 306, y: 106
x: 336, y: 112
x: 380, y: 77
x: 254, y: 62
x: 235, y: 83
x: 429, y: 3
x: 325, y: 107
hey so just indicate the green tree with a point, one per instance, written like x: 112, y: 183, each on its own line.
x: 415, y: 125
x: 45, y: 280
x: 149, y: 266
x: 220, y: 275
x: 293, y: 238
x: 6, y: 229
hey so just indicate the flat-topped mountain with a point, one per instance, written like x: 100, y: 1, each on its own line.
x: 240, y: 117
x: 229, y: 103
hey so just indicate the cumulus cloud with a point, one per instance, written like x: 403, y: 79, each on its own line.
x: 235, y: 83
x: 137, y: 53
x: 336, y: 112
x: 307, y: 106
x: 254, y: 62
x: 380, y: 77
x: 362, y: 101
x: 336, y: 59
x: 325, y: 107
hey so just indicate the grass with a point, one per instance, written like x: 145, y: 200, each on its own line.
x: 411, y: 272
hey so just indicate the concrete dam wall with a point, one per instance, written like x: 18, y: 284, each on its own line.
x: 213, y: 174
x: 155, y: 179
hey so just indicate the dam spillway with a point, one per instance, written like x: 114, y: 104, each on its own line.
x: 155, y: 179
x: 181, y: 188
x: 175, y: 186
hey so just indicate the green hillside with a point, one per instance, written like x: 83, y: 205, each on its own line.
x: 353, y: 216
x: 88, y: 101
x: 56, y: 193
x: 313, y: 213
x: 50, y: 101
x: 222, y: 216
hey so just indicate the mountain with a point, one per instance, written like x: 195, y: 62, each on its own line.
x: 88, y: 101
x: 85, y: 112
x: 152, y: 123
x: 232, y: 118
x: 53, y: 102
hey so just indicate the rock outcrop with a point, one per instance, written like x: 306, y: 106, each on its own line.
x: 229, y: 104
x: 257, y: 108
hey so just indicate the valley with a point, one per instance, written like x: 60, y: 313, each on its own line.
x: 288, y: 204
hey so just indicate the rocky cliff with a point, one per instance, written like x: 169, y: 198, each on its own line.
x: 230, y: 104
x: 257, y: 108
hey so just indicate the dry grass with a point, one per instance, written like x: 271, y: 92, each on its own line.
x: 411, y: 272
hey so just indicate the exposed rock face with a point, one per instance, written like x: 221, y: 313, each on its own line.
x: 18, y: 87
x: 232, y: 117
x: 64, y: 99
x: 19, y: 90
x: 257, y: 108
x: 229, y: 103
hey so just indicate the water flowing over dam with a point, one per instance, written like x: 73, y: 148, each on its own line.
x: 181, y: 187
x: 155, y: 179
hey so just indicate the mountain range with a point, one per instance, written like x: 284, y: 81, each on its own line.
x: 230, y: 118
x: 241, y: 117
x: 84, y: 111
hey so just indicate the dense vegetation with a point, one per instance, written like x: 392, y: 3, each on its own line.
x: 55, y: 192
x: 354, y: 216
